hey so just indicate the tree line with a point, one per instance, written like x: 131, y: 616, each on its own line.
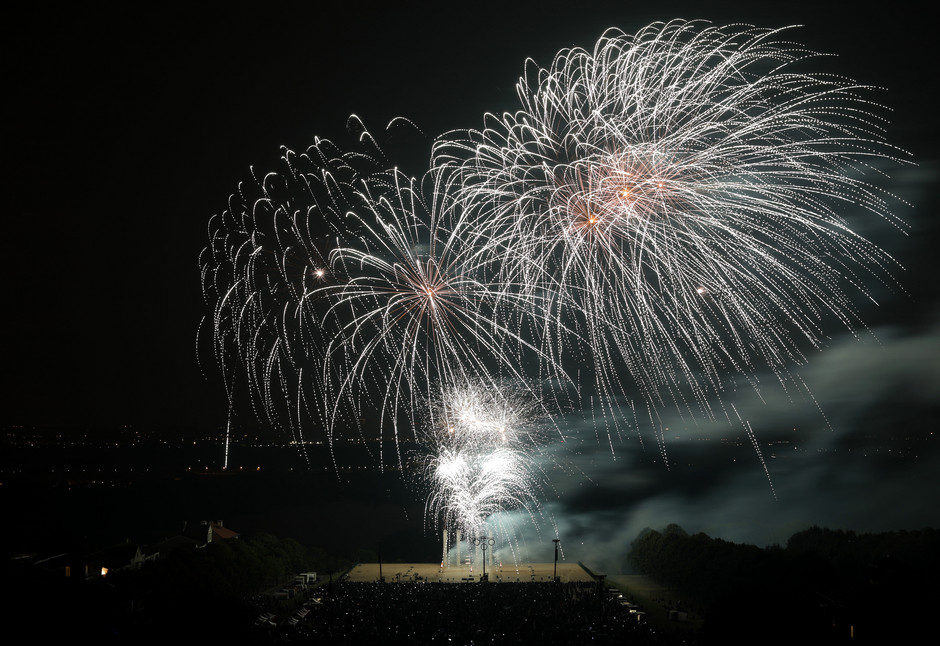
x: 824, y: 582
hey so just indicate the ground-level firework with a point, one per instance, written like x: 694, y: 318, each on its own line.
x: 480, y: 459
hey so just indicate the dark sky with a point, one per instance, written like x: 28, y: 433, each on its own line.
x: 127, y: 129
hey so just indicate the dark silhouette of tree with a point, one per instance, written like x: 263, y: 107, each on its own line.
x: 826, y: 583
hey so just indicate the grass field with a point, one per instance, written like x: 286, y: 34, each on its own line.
x: 462, y: 574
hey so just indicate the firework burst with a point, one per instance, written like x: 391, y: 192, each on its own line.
x: 664, y: 212
x: 267, y: 253
x: 683, y: 195
x: 415, y: 313
x: 481, y: 457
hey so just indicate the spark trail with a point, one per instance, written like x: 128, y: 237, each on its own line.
x: 662, y: 213
x: 684, y: 199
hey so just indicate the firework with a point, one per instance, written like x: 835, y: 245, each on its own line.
x: 481, y: 447
x: 414, y: 314
x: 664, y: 212
x: 681, y: 197
x: 268, y: 252
x: 340, y: 287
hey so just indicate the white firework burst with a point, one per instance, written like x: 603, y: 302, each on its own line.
x: 663, y: 212
x: 267, y: 252
x: 414, y: 314
x: 481, y: 455
x: 684, y: 198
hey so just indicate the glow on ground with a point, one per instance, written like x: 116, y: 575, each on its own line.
x: 433, y: 573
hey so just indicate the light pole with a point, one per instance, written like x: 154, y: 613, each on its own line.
x: 555, y: 572
x: 484, y: 542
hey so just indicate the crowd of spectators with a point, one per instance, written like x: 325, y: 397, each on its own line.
x: 469, y: 613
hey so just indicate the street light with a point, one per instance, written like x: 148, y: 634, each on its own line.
x: 484, y: 542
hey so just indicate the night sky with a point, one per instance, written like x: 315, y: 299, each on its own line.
x: 125, y: 132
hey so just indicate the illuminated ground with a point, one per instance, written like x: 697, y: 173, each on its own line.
x: 454, y: 574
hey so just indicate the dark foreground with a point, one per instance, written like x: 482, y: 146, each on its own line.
x: 480, y: 613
